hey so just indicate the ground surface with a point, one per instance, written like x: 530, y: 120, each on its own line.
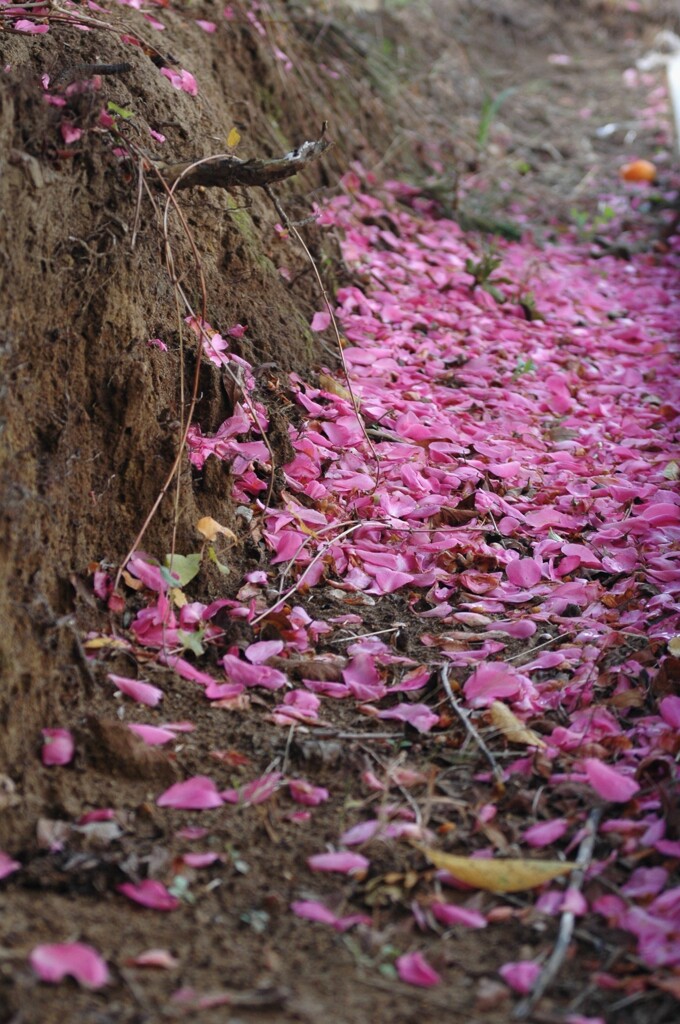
x: 526, y: 498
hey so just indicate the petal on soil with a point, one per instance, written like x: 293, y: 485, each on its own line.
x: 52, y: 963
x: 149, y: 893
x: 414, y: 969
x: 608, y: 782
x: 196, y: 794
x: 344, y: 862
x: 137, y: 690
x: 58, y: 746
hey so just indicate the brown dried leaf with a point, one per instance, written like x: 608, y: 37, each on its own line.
x: 211, y: 529
x: 512, y: 728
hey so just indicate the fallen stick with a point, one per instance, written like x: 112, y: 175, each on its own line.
x: 553, y: 965
x: 465, y: 719
x: 223, y: 171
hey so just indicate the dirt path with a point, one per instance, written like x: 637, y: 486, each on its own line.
x: 452, y: 627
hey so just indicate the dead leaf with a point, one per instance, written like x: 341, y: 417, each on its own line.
x: 666, y: 682
x: 328, y: 384
x: 512, y: 728
x: 497, y: 875
x: 210, y: 529
x: 105, y: 641
x: 133, y: 583
x: 233, y: 138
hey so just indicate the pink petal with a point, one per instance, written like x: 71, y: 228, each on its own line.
x: 669, y: 708
x: 449, y: 914
x: 520, y: 975
x: 7, y: 865
x: 255, y: 792
x: 52, y: 963
x: 68, y: 133
x: 239, y: 671
x: 320, y: 321
x: 142, y: 692
x: 162, y: 958
x: 523, y: 572
x: 149, y: 893
x: 344, y: 862
x: 304, y: 793
x: 546, y: 832
x: 153, y: 735
x: 24, y: 25
x: 201, y: 860
x: 207, y: 26
x: 262, y: 650
x: 608, y: 783
x: 312, y: 910
x: 58, y: 746
x: 417, y: 715
x: 491, y: 681
x: 183, y: 80
x: 414, y: 969
x: 195, y: 794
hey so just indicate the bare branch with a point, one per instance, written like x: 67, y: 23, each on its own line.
x: 566, y: 930
x: 226, y: 171
x: 464, y: 716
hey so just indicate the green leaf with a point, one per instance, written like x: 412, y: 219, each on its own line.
x: 113, y: 108
x: 192, y: 641
x: 224, y: 569
x: 183, y: 568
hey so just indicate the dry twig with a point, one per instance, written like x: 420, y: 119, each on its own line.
x: 567, y: 921
x: 465, y: 719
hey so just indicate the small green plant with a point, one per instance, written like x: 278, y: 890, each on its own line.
x: 527, y: 302
x: 588, y: 226
x: 481, y: 271
x: 523, y: 366
x: 490, y: 108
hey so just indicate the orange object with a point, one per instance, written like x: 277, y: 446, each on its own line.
x: 638, y: 170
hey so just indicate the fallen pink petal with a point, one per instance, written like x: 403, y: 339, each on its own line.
x: 414, y: 969
x: 520, y: 975
x: 449, y: 914
x: 137, y: 690
x: 58, y: 746
x: 7, y: 865
x: 305, y: 793
x: 198, y: 793
x: 343, y: 862
x: 158, y: 958
x: 149, y: 893
x: 609, y: 783
x: 313, y: 910
x: 153, y: 735
x: 53, y: 963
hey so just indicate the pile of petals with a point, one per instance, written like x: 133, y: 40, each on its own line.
x: 513, y: 475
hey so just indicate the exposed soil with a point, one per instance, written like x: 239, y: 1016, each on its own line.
x: 90, y: 422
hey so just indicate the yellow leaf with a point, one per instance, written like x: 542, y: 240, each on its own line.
x: 672, y: 471
x: 210, y: 528
x: 328, y: 384
x: 132, y: 581
x: 497, y: 875
x: 104, y: 641
x: 512, y: 728
x: 179, y: 598
x: 233, y: 138
x: 674, y: 646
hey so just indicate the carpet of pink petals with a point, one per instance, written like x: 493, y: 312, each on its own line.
x: 519, y: 497
x: 519, y: 494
